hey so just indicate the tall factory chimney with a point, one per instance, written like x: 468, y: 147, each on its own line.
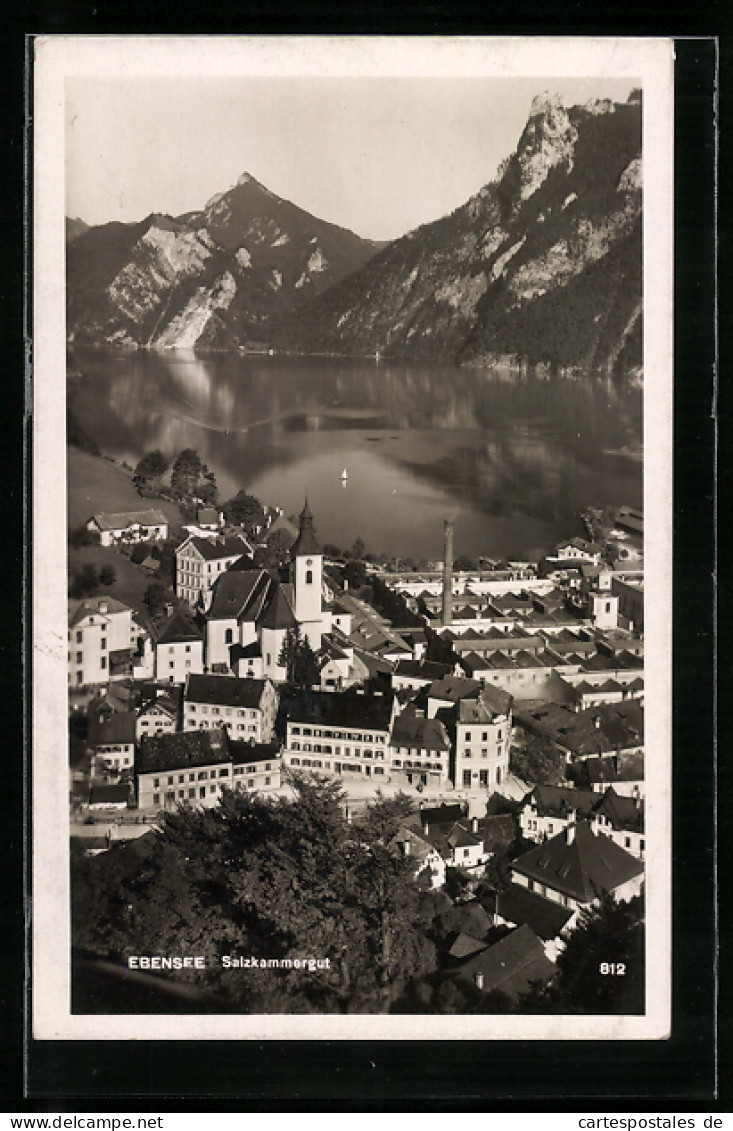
x: 448, y: 575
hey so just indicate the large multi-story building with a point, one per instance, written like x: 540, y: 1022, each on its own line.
x: 200, y: 561
x: 246, y: 708
x: 195, y: 766
x: 340, y: 733
x: 98, y: 626
x: 483, y: 732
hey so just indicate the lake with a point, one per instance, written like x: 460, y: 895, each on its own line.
x: 511, y: 459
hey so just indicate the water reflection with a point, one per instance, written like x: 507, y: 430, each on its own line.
x: 512, y: 456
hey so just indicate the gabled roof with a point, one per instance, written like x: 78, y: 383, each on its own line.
x: 511, y: 965
x: 560, y: 801
x: 626, y: 814
x: 123, y: 519
x: 278, y: 613
x: 518, y: 905
x: 489, y: 703
x: 224, y: 690
x: 178, y: 629
x: 95, y: 606
x: 428, y: 670
x: 464, y: 946
x: 217, y: 547
x: 579, y: 863
x: 419, y: 733
x: 168, y: 704
x: 239, y: 594
x: 117, y: 728
x: 451, y: 688
x: 181, y: 750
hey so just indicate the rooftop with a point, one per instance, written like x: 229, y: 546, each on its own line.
x: 123, y: 519
x: 181, y: 750
x: 224, y: 690
x: 348, y: 708
x: 238, y: 594
x: 579, y: 863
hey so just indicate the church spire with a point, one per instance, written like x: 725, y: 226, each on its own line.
x: 306, y: 542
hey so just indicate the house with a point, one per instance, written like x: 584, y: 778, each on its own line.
x: 129, y: 526
x: 622, y: 819
x: 159, y: 712
x: 191, y: 766
x: 458, y: 840
x: 625, y: 772
x: 208, y: 518
x: 179, y: 647
x: 111, y: 740
x: 548, y: 809
x: 429, y: 865
x: 340, y: 733
x: 411, y: 675
x: 339, y: 664
x: 511, y: 966
x: 577, y: 866
x: 246, y: 708
x: 97, y: 627
x: 576, y: 549
x: 448, y: 691
x: 200, y: 560
x: 516, y: 906
x: 419, y: 749
x: 483, y: 732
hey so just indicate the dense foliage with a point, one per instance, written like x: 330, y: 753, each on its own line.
x: 269, y: 878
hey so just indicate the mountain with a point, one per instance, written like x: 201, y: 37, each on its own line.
x: 543, y: 263
x: 209, y: 279
x: 74, y: 228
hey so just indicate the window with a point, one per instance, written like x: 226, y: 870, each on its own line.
x: 212, y: 789
x: 171, y: 664
x: 79, y: 636
x: 103, y: 662
x: 267, y: 781
x: 202, y: 791
x: 156, y: 799
x: 79, y: 657
x: 103, y: 643
x: 224, y: 773
x: 180, y: 778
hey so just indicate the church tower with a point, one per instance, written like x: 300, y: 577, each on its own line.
x: 307, y: 576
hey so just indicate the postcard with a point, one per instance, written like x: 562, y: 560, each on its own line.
x: 352, y: 538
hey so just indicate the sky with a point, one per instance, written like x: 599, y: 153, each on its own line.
x: 378, y: 155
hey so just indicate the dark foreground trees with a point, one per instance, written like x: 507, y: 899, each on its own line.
x: 269, y: 879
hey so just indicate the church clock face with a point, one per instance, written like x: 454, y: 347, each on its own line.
x: 309, y: 561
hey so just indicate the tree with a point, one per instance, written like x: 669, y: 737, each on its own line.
x: 245, y: 510
x: 149, y: 472
x: 80, y: 536
x: 84, y: 582
x: 601, y: 969
x: 357, y: 550
x: 538, y: 761
x: 284, y: 878
x: 186, y: 472
x: 107, y: 576
x: 299, y: 660
x: 155, y: 597
x: 464, y: 562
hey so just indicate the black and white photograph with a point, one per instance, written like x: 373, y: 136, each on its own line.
x: 352, y: 537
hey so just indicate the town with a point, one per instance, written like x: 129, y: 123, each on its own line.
x: 498, y: 705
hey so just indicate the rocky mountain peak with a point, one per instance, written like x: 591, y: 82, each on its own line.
x: 549, y: 138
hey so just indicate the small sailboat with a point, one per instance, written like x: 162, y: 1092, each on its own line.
x: 344, y: 475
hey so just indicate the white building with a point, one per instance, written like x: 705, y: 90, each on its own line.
x: 129, y: 526
x: 483, y: 733
x: 246, y: 708
x: 201, y: 560
x: 97, y: 627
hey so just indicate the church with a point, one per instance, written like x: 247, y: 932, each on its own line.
x: 250, y: 613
